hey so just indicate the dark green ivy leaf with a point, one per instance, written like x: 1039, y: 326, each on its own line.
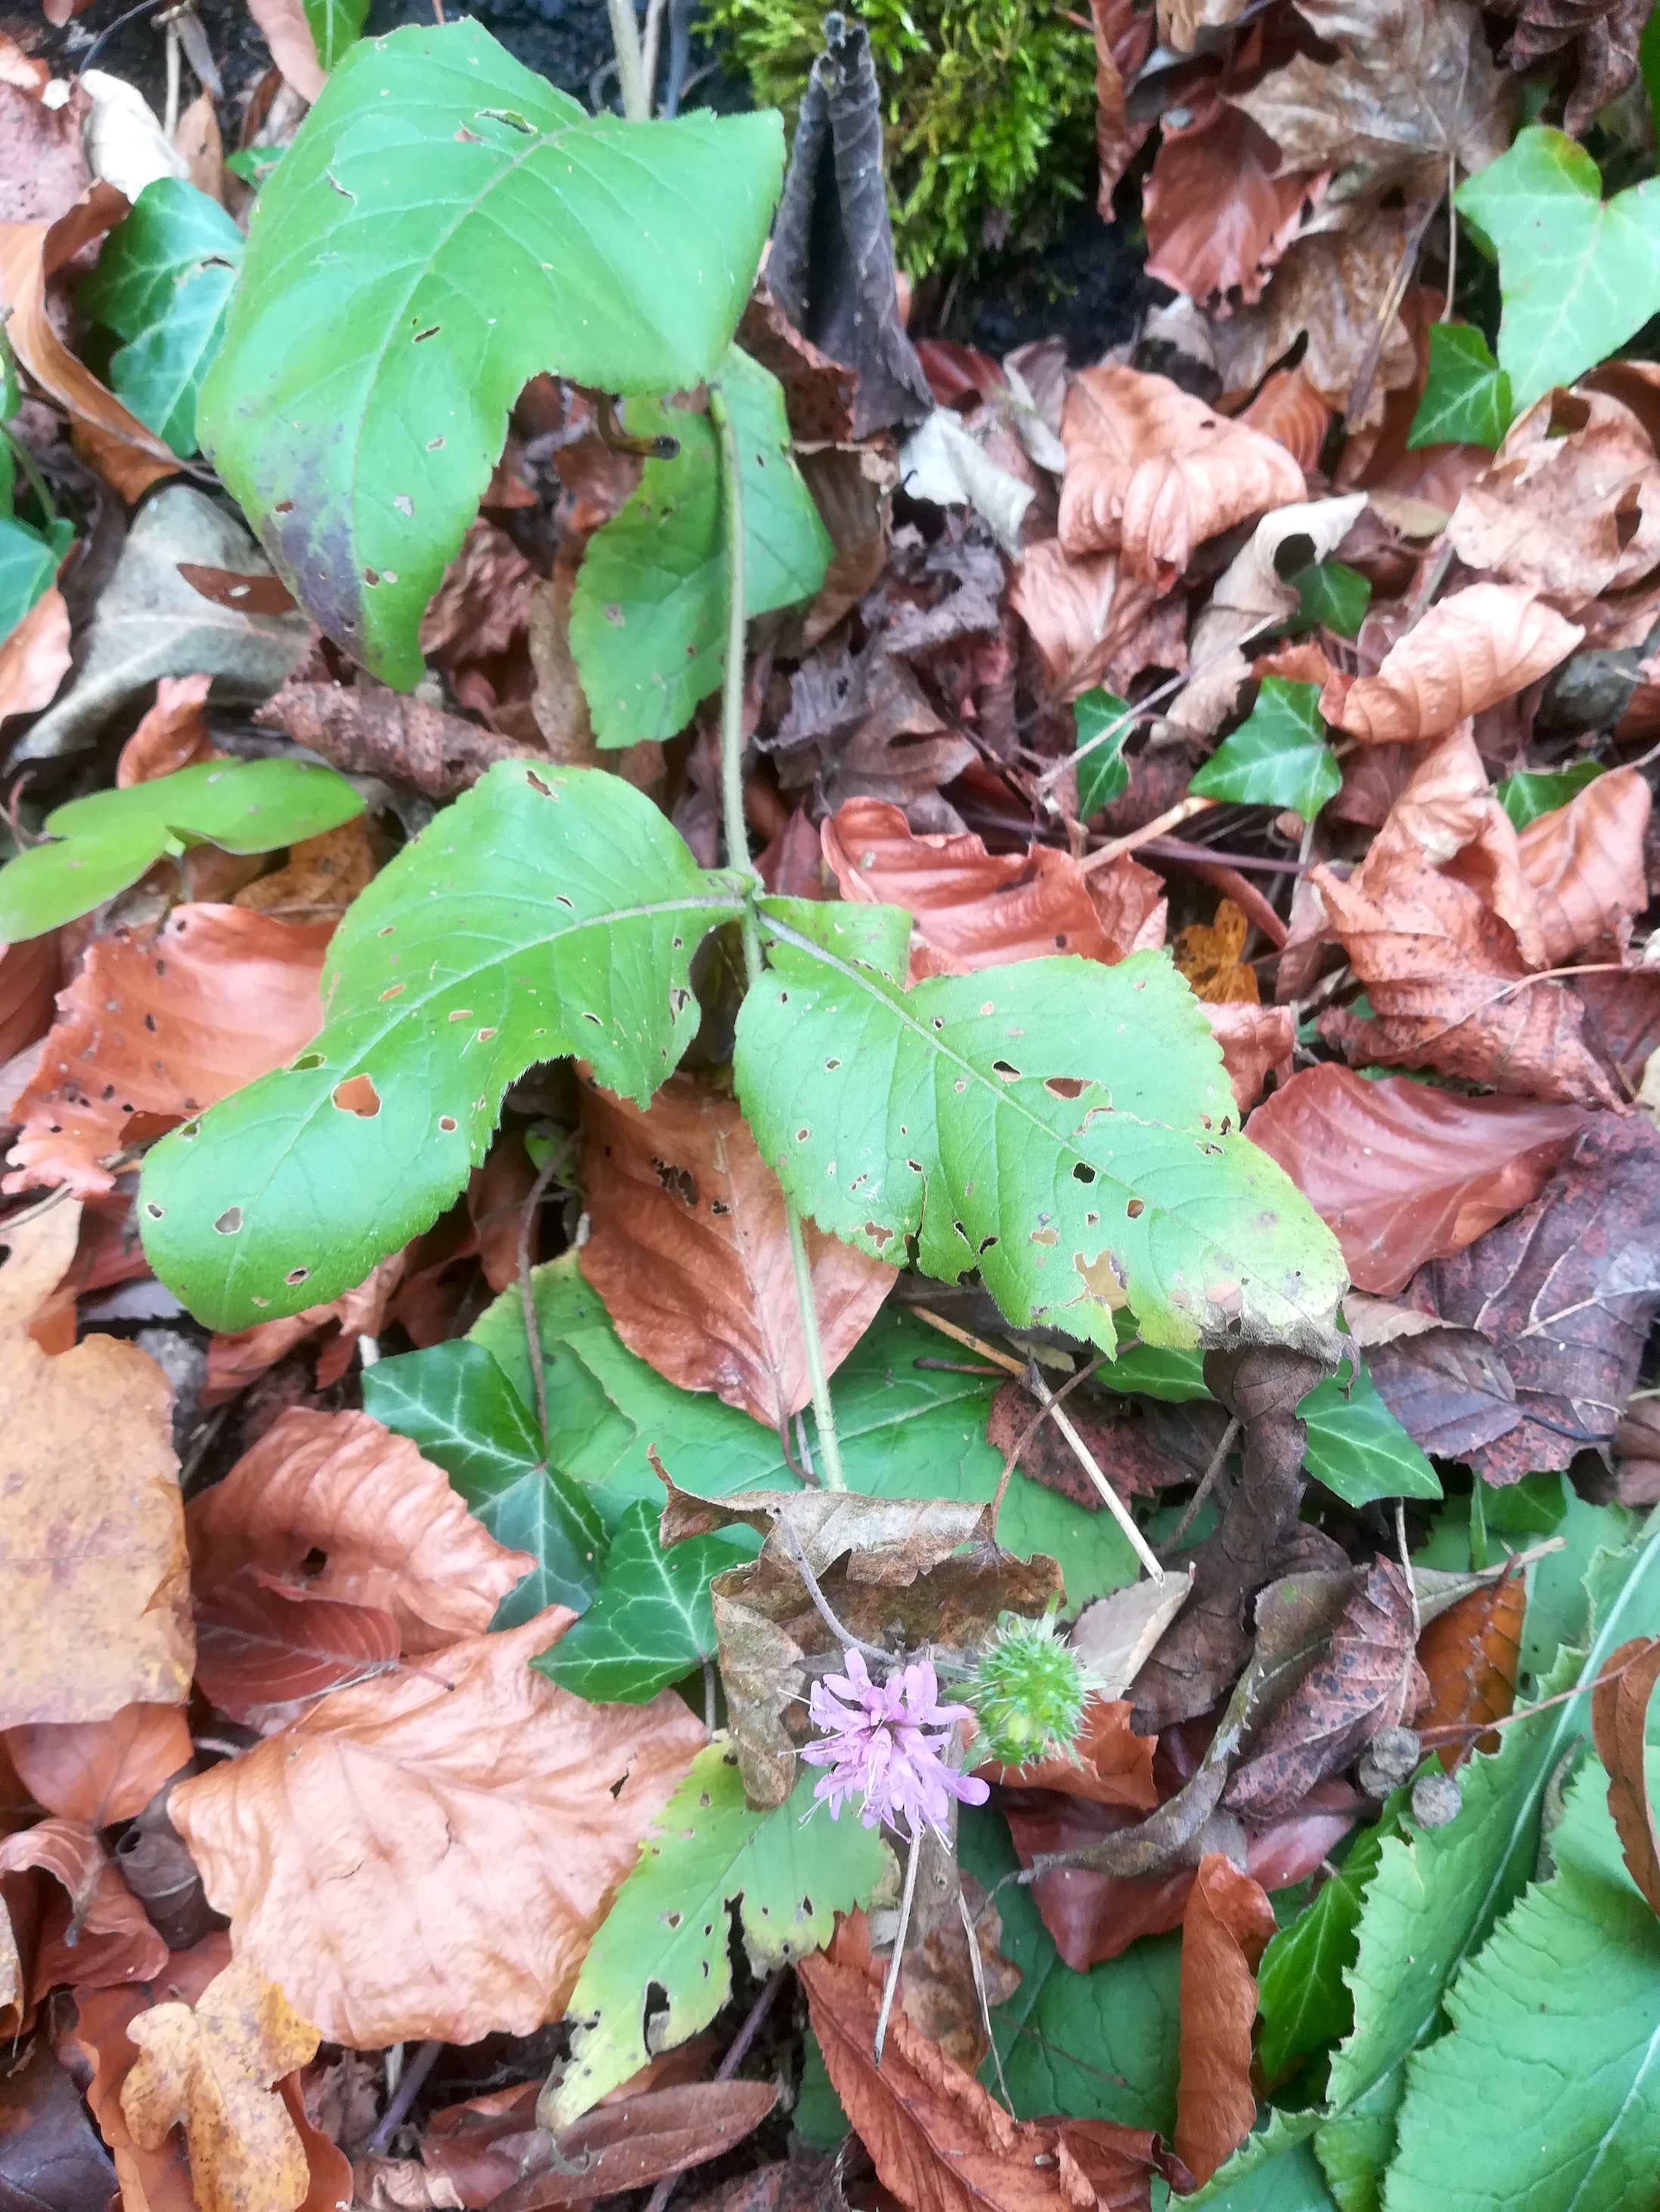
x: 1533, y: 792
x: 1103, y: 774
x: 1278, y: 756
x: 1330, y: 595
x: 1467, y: 396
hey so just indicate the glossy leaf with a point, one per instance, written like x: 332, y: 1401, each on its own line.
x: 1278, y: 756
x: 163, y: 283
x: 1357, y: 1448
x: 457, y: 1404
x: 788, y: 1871
x: 649, y: 615
x: 1098, y: 1091
x: 336, y: 26
x: 1102, y: 773
x: 361, y: 396
x: 1304, y: 2001
x: 551, y: 910
x: 1330, y: 595
x: 651, y: 1621
x: 1579, y: 275
x: 1533, y: 792
x: 1467, y: 396
x: 105, y: 843
x: 28, y: 562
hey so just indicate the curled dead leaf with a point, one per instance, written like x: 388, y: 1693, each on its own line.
x: 1219, y: 204
x: 1618, y: 1708
x: 1485, y: 644
x: 102, y: 1770
x: 1471, y: 1655
x: 35, y: 658
x: 171, y: 735
x: 92, y: 1930
x: 1585, y: 865
x: 1083, y: 613
x: 1225, y: 1928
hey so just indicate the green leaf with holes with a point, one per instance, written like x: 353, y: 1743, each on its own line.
x: 336, y: 27
x: 649, y: 615
x: 1278, y: 756
x: 163, y: 283
x: 653, y: 1619
x: 1467, y: 396
x: 103, y: 843
x: 445, y: 225
x: 789, y: 1872
x: 1102, y: 772
x: 1064, y: 1128
x: 551, y: 910
x: 1533, y: 792
x: 1579, y: 275
x: 458, y: 1405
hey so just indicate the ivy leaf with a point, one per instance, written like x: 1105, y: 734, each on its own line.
x: 1103, y: 774
x: 790, y: 1875
x: 163, y: 282
x: 1533, y: 792
x: 1546, y: 2093
x: 1358, y: 1448
x: 1467, y: 396
x: 1303, y: 2000
x: 336, y: 26
x: 1578, y: 275
x: 551, y: 910
x: 1278, y: 756
x: 1098, y: 1091
x: 457, y: 1404
x: 1330, y: 594
x: 28, y: 562
x: 653, y: 1620
x: 107, y: 841
x: 649, y: 615
x: 906, y: 1430
x: 361, y: 396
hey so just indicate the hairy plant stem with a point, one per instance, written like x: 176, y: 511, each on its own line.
x: 738, y: 858
x: 630, y: 62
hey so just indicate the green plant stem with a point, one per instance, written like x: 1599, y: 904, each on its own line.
x: 32, y: 476
x: 738, y: 857
x: 630, y: 62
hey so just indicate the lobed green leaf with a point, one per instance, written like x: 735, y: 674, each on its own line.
x: 1467, y: 396
x: 1278, y: 756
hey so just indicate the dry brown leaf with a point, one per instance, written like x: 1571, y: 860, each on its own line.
x: 162, y: 1021
x: 1114, y: 1635
x: 1584, y: 862
x: 199, y: 140
x: 293, y: 50
x: 97, y: 1612
x: 1219, y: 204
x: 1153, y: 472
x: 319, y: 879
x: 625, y: 2145
x: 483, y: 602
x: 212, y: 2067
x: 1605, y: 34
x: 1114, y: 1766
x: 1256, y: 1041
x: 1082, y: 614
x: 102, y: 1770
x: 93, y: 1930
x: 972, y: 909
x: 28, y: 986
x: 1289, y: 408
x: 46, y: 169
x: 1485, y: 644
x: 34, y: 657
x: 1123, y: 40
x: 1225, y: 1930
x: 1180, y: 22
x: 132, y: 457
x: 264, y: 1646
x: 364, y: 729
x: 429, y: 1854
x: 1618, y: 1709
x: 1209, y: 954
x: 1471, y: 1655
x: 157, y: 2181
x: 937, y: 2140
x: 173, y: 734
x: 1413, y: 90
x: 689, y: 1251
x: 396, y: 1534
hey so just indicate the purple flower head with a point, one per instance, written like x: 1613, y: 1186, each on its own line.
x: 883, y: 1741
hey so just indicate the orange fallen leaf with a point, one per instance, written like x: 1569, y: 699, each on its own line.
x: 288, y: 33
x: 971, y: 909
x: 1219, y: 205
x: 161, y: 1021
x: 28, y: 984
x: 689, y: 1251
x: 1225, y: 1930
x: 1619, y: 1711
x: 1114, y: 1766
x: 1483, y: 645
x: 93, y: 1931
x: 1083, y: 613
x: 151, y: 2180
x: 1471, y: 1655
x: 483, y: 602
x: 212, y: 2067
x: 97, y: 1610
x: 1154, y: 473
x: 263, y: 1646
x: 102, y: 1770
x: 1123, y: 39
x: 34, y: 657
x: 1289, y: 408
x: 173, y: 734
x: 1584, y: 862
x: 397, y: 1535
x: 1255, y: 1041
x: 429, y: 1854
x: 1208, y: 955
x: 319, y: 879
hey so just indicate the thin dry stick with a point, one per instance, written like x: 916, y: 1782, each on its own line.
x: 821, y: 1604
x: 648, y: 51
x: 1184, y: 811
x: 410, y: 2085
x: 976, y: 1967
x: 898, y: 1959
x: 1086, y: 1458
x: 1406, y: 1569
x: 1012, y: 1457
x: 1206, y: 1484
x: 527, y: 1215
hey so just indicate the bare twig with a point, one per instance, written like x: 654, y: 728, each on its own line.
x: 1086, y: 1458
x: 1206, y: 1484
x: 821, y: 1604
x: 898, y: 1959
x: 976, y: 1968
x: 410, y: 2086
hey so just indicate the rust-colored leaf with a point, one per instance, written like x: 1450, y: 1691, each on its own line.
x: 1085, y: 615
x: 1112, y: 1766
x: 1153, y: 472
x: 1219, y: 204
x: 97, y: 1612
x: 262, y: 1643
x: 690, y: 1249
x: 151, y: 2180
x: 45, y: 171
x: 35, y: 658
x: 162, y: 1021
x: 319, y: 879
x: 1288, y: 408
x: 1225, y: 1928
x: 1209, y: 954
x: 288, y: 33
x: 397, y: 1535
x: 429, y: 1854
x: 1255, y: 1041
x: 1402, y: 1172
x: 102, y: 1770
x: 629, y: 2145
x: 1123, y: 39
x: 972, y: 909
x: 235, y: 1358
x: 93, y: 1930
x: 483, y: 602
x: 1585, y: 863
x: 1485, y: 644
x: 1618, y: 1712
x: 173, y: 734
x: 28, y: 983
x: 1471, y: 1655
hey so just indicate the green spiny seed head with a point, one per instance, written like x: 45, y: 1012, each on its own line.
x: 1029, y: 1692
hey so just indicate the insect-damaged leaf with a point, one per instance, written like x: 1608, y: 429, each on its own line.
x: 1098, y: 1091
x: 547, y: 912
x: 361, y: 396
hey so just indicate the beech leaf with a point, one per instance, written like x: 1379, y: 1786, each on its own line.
x: 1227, y: 1923
x: 1619, y: 1707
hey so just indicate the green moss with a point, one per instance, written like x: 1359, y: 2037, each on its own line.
x: 988, y: 110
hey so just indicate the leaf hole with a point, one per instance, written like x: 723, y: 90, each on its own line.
x: 228, y: 1222
x: 1065, y: 1086
x: 296, y: 1275
x: 1135, y: 1209
x: 357, y: 1094
x: 153, y: 1211
x: 1004, y: 1068
x: 446, y: 1122
x: 1082, y: 1172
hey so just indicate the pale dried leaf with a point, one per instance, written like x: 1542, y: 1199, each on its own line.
x: 1114, y: 1635
x: 1470, y: 652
